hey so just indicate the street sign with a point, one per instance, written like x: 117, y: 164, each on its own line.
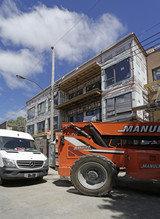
x: 48, y: 134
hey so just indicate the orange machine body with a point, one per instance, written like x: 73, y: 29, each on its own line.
x: 134, y: 146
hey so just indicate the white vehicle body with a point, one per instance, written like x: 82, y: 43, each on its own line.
x: 19, y: 156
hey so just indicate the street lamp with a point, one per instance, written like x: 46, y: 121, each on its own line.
x: 52, y: 143
x: 21, y: 77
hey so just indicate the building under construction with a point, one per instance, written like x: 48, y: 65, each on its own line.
x: 115, y: 85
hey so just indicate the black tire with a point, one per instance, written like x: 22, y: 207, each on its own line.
x: 93, y: 175
x: 40, y: 178
x: 1, y: 181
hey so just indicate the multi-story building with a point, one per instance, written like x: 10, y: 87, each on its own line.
x: 105, y: 88
x: 153, y: 84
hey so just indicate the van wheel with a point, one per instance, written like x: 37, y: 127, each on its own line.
x: 93, y: 175
x: 1, y: 181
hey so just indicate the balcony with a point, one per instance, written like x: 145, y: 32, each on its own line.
x: 89, y: 97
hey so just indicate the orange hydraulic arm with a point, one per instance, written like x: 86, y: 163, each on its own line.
x: 133, y: 145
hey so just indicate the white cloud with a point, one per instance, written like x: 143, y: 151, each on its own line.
x: 14, y: 114
x: 22, y: 62
x: 73, y: 34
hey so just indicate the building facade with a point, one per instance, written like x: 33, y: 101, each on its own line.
x: 153, y: 83
x: 105, y: 88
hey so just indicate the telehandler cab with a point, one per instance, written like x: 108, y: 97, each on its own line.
x: 92, y: 154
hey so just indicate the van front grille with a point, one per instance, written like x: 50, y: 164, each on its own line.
x: 33, y: 164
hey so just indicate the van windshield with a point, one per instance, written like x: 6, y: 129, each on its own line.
x: 17, y: 144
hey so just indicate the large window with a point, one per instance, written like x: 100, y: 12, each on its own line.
x: 41, y: 127
x: 41, y: 108
x: 117, y: 73
x: 118, y: 105
x: 30, y: 129
x: 31, y: 113
x: 156, y: 74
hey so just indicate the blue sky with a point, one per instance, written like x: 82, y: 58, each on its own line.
x: 78, y: 30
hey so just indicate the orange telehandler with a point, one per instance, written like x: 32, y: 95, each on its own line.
x: 92, y: 154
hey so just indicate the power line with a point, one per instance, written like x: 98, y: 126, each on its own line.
x: 150, y: 28
x: 15, y: 113
x: 124, y: 56
x: 68, y: 31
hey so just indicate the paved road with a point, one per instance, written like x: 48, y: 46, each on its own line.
x: 56, y: 199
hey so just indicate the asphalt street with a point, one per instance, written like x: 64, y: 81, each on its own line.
x: 54, y: 198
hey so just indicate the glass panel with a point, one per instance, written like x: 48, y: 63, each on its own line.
x: 122, y: 70
x: 49, y: 104
x: 110, y: 107
x: 31, y: 113
x: 30, y: 129
x: 80, y: 117
x: 75, y: 118
x: 41, y: 127
x: 41, y: 108
x: 109, y: 76
x: 89, y: 113
x: 123, y: 103
x: 110, y: 104
x: 156, y: 74
x: 56, y: 100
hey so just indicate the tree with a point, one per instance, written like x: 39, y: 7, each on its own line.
x: 18, y: 124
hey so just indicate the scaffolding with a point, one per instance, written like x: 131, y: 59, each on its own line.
x: 153, y: 106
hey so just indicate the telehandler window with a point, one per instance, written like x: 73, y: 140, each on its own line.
x: 141, y: 142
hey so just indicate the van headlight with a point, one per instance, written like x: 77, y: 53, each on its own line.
x: 9, y: 162
x: 46, y: 163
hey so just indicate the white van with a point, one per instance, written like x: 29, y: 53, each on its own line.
x: 20, y: 157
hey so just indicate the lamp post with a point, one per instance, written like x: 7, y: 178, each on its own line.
x: 52, y: 161
x: 21, y: 77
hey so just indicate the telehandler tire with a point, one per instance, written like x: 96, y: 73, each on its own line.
x: 93, y: 175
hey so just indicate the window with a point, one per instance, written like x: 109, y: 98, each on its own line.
x: 93, y: 86
x: 156, y: 74
x: 118, y: 105
x: 10, y: 143
x: 31, y: 113
x: 55, y: 122
x: 55, y: 119
x: 141, y: 141
x: 118, y: 72
x: 48, y: 126
x: 76, y: 118
x: 30, y: 129
x: 95, y: 112
x: 80, y: 117
x: 109, y: 76
x: 41, y: 127
x: 56, y: 100
x: 75, y: 94
x: 49, y: 105
x: 41, y: 108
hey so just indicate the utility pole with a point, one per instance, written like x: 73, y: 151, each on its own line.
x: 52, y: 97
x: 52, y: 159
